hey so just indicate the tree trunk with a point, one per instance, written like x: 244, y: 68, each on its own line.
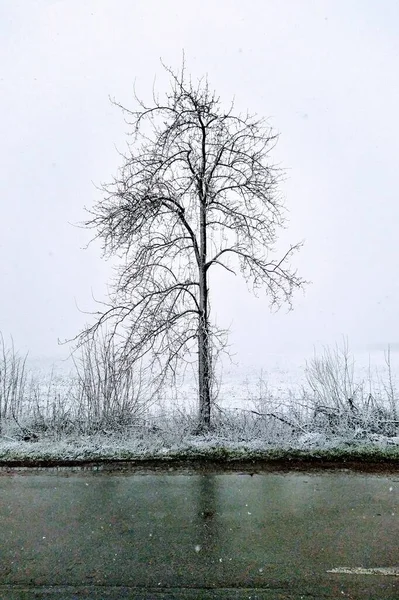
x: 204, y: 357
x: 204, y: 371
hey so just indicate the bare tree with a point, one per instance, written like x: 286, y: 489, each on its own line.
x: 195, y: 192
x: 13, y: 382
x: 106, y: 395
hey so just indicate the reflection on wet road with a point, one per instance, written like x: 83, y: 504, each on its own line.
x: 281, y: 532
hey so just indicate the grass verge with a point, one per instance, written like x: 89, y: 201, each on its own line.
x: 199, y: 452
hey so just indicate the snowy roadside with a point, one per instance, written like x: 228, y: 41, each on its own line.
x: 100, y: 448
x: 326, y: 410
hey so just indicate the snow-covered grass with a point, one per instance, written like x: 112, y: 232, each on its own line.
x: 171, y: 436
x: 100, y: 449
x: 96, y: 414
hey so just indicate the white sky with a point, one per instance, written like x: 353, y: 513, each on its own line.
x: 325, y: 72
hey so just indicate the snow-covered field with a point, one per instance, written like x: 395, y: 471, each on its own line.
x: 240, y: 383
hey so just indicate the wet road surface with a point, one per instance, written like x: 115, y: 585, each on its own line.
x: 72, y: 535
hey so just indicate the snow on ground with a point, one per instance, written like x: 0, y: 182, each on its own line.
x: 98, y: 447
x: 274, y: 379
x: 241, y: 384
x: 283, y: 377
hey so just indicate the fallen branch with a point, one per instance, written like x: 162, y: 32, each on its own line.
x: 278, y: 417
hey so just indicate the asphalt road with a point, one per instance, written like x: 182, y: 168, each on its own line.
x: 229, y: 536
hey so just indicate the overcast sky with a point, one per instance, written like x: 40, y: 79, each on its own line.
x: 325, y: 74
